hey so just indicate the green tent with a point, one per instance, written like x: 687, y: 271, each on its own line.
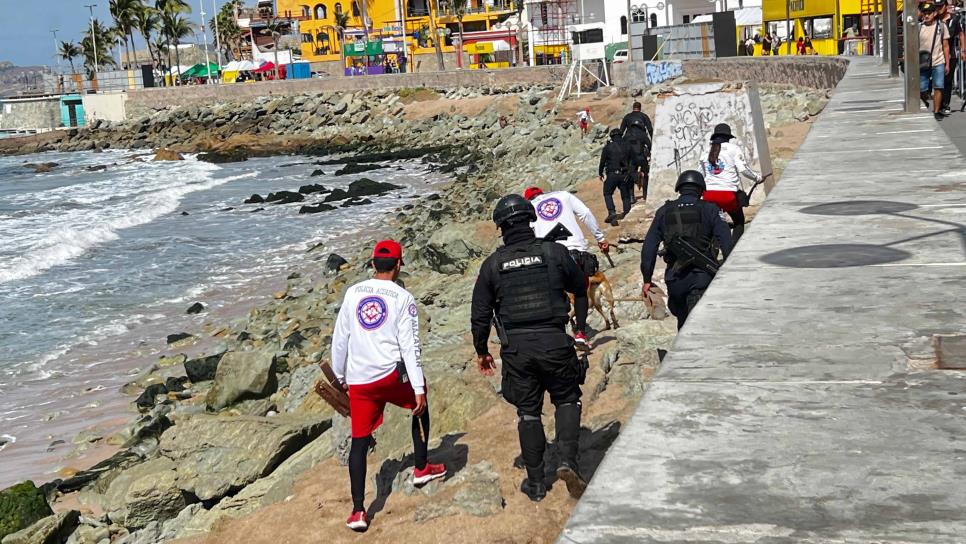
x: 200, y: 70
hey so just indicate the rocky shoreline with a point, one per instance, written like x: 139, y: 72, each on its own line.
x: 228, y: 433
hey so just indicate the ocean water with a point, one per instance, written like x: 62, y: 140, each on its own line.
x: 97, y: 267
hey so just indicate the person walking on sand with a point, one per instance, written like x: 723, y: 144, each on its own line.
x: 376, y: 356
x: 721, y: 174
x: 584, y: 119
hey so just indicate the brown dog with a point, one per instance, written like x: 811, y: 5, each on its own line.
x: 598, y: 285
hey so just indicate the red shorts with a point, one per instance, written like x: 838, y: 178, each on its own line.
x: 584, y: 124
x: 726, y: 200
x: 367, y: 402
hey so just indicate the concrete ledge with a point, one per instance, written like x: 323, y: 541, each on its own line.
x: 208, y: 94
x: 813, y: 72
x: 801, y: 402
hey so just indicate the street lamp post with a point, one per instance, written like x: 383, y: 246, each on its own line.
x: 204, y: 32
x: 214, y: 10
x: 54, y: 31
x: 93, y: 36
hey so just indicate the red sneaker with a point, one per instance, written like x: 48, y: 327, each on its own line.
x: 581, y: 340
x: 358, y: 521
x: 429, y: 473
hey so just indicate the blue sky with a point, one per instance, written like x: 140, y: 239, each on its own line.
x: 25, y: 26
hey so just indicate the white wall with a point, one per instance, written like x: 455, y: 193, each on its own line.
x: 105, y: 107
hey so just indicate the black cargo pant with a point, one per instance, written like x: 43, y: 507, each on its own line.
x: 948, y: 83
x: 613, y: 182
x: 535, y: 363
x: 684, y: 292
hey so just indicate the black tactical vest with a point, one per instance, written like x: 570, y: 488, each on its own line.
x: 530, y: 289
x: 684, y: 220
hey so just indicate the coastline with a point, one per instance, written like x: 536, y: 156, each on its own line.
x: 448, y: 234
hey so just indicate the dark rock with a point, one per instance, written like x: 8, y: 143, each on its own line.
x: 258, y: 210
x: 145, y: 401
x: 336, y: 195
x: 357, y: 168
x: 178, y: 337
x: 228, y: 209
x: 220, y: 157
x: 196, y: 308
x: 334, y: 263
x: 21, y: 506
x: 175, y: 384
x: 368, y: 187
x: 313, y: 188
x: 76, y: 482
x: 254, y: 199
x: 316, y: 209
x: 203, y: 369
x: 284, y: 197
x: 96, y: 168
x: 185, y: 213
x: 317, y: 172
x: 356, y: 201
x: 41, y: 168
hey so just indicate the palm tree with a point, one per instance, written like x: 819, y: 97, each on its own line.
x: 341, y: 24
x: 226, y: 29
x: 168, y: 13
x: 94, y: 46
x: 459, y: 9
x: 69, y: 51
x: 175, y: 27
x: 124, y: 13
x: 274, y: 28
x: 147, y: 23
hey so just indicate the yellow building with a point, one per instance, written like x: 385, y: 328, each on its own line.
x: 387, y: 19
x: 826, y: 22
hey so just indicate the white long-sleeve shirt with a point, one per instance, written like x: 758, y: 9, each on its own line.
x: 378, y: 325
x: 563, y: 207
x: 731, y: 162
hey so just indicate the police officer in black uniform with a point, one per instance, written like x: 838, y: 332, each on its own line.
x: 525, y: 285
x: 637, y: 130
x: 615, y: 162
x: 696, y: 222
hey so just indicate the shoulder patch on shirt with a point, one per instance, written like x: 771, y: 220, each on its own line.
x: 372, y: 312
x: 412, y: 309
x: 550, y: 208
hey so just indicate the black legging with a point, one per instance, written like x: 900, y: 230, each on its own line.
x: 360, y: 447
x: 738, y: 226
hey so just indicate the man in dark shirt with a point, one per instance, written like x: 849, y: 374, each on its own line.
x: 615, y: 161
x: 637, y: 130
x: 524, y: 284
x: 697, y: 221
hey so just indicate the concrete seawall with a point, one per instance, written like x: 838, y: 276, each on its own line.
x: 813, y: 72
x: 802, y: 401
x: 148, y: 99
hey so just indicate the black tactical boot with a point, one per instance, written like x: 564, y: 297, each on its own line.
x: 535, y: 491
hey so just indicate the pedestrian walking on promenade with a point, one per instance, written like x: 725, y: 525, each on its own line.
x: 933, y: 57
x: 523, y: 287
x: 953, y: 19
x: 376, y: 356
x: 722, y: 169
x: 686, y: 226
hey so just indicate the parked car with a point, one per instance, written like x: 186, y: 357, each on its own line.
x: 620, y: 56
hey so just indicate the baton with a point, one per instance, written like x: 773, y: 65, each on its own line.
x: 757, y: 183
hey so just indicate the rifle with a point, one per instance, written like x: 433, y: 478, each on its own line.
x: 689, y: 255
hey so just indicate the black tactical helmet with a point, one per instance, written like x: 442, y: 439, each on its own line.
x: 616, y: 133
x: 690, y: 178
x: 513, y: 207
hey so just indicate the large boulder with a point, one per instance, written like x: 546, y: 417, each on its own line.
x: 165, y: 154
x: 217, y: 456
x: 220, y: 157
x: 450, y: 250
x: 474, y: 490
x: 202, y: 369
x: 357, y: 168
x: 316, y: 209
x: 284, y: 197
x: 49, y: 530
x: 21, y: 506
x: 145, y: 493
x: 243, y: 375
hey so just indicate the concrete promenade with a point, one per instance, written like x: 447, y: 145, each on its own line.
x: 801, y: 402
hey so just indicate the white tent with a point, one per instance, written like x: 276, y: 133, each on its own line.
x: 241, y: 66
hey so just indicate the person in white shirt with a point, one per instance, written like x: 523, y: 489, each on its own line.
x: 585, y: 120
x: 565, y: 208
x: 721, y: 174
x: 376, y: 356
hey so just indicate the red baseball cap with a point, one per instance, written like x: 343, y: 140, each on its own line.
x: 532, y: 192
x: 387, y: 249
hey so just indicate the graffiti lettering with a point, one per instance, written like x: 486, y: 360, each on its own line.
x: 659, y: 72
